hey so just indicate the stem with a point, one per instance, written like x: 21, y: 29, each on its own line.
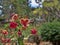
x: 20, y: 41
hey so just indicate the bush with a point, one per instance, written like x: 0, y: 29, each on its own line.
x: 50, y: 31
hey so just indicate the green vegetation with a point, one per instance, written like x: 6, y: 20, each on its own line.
x: 50, y: 31
x: 50, y: 11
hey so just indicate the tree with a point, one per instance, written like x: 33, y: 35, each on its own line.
x: 51, y: 10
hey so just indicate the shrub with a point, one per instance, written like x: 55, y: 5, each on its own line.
x: 50, y: 31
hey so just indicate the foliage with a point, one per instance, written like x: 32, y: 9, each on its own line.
x: 50, y: 10
x: 21, y: 7
x: 50, y: 31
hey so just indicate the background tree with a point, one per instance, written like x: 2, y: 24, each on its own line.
x: 50, y: 10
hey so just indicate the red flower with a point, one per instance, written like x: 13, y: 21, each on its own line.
x: 33, y: 31
x: 15, y: 17
x: 13, y: 24
x: 8, y: 40
x: 5, y: 32
x: 19, y: 33
x: 3, y: 40
x: 24, y: 22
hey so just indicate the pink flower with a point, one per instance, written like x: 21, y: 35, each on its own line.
x: 13, y: 24
x: 33, y: 31
x: 15, y: 16
x: 5, y: 32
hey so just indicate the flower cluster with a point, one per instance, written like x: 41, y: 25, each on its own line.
x: 6, y: 40
x: 4, y: 35
x: 23, y: 21
x: 14, y: 27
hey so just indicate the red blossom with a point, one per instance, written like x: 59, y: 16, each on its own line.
x: 3, y: 40
x: 19, y: 33
x: 33, y: 31
x: 5, y: 32
x: 13, y: 24
x: 24, y: 22
x: 7, y: 40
